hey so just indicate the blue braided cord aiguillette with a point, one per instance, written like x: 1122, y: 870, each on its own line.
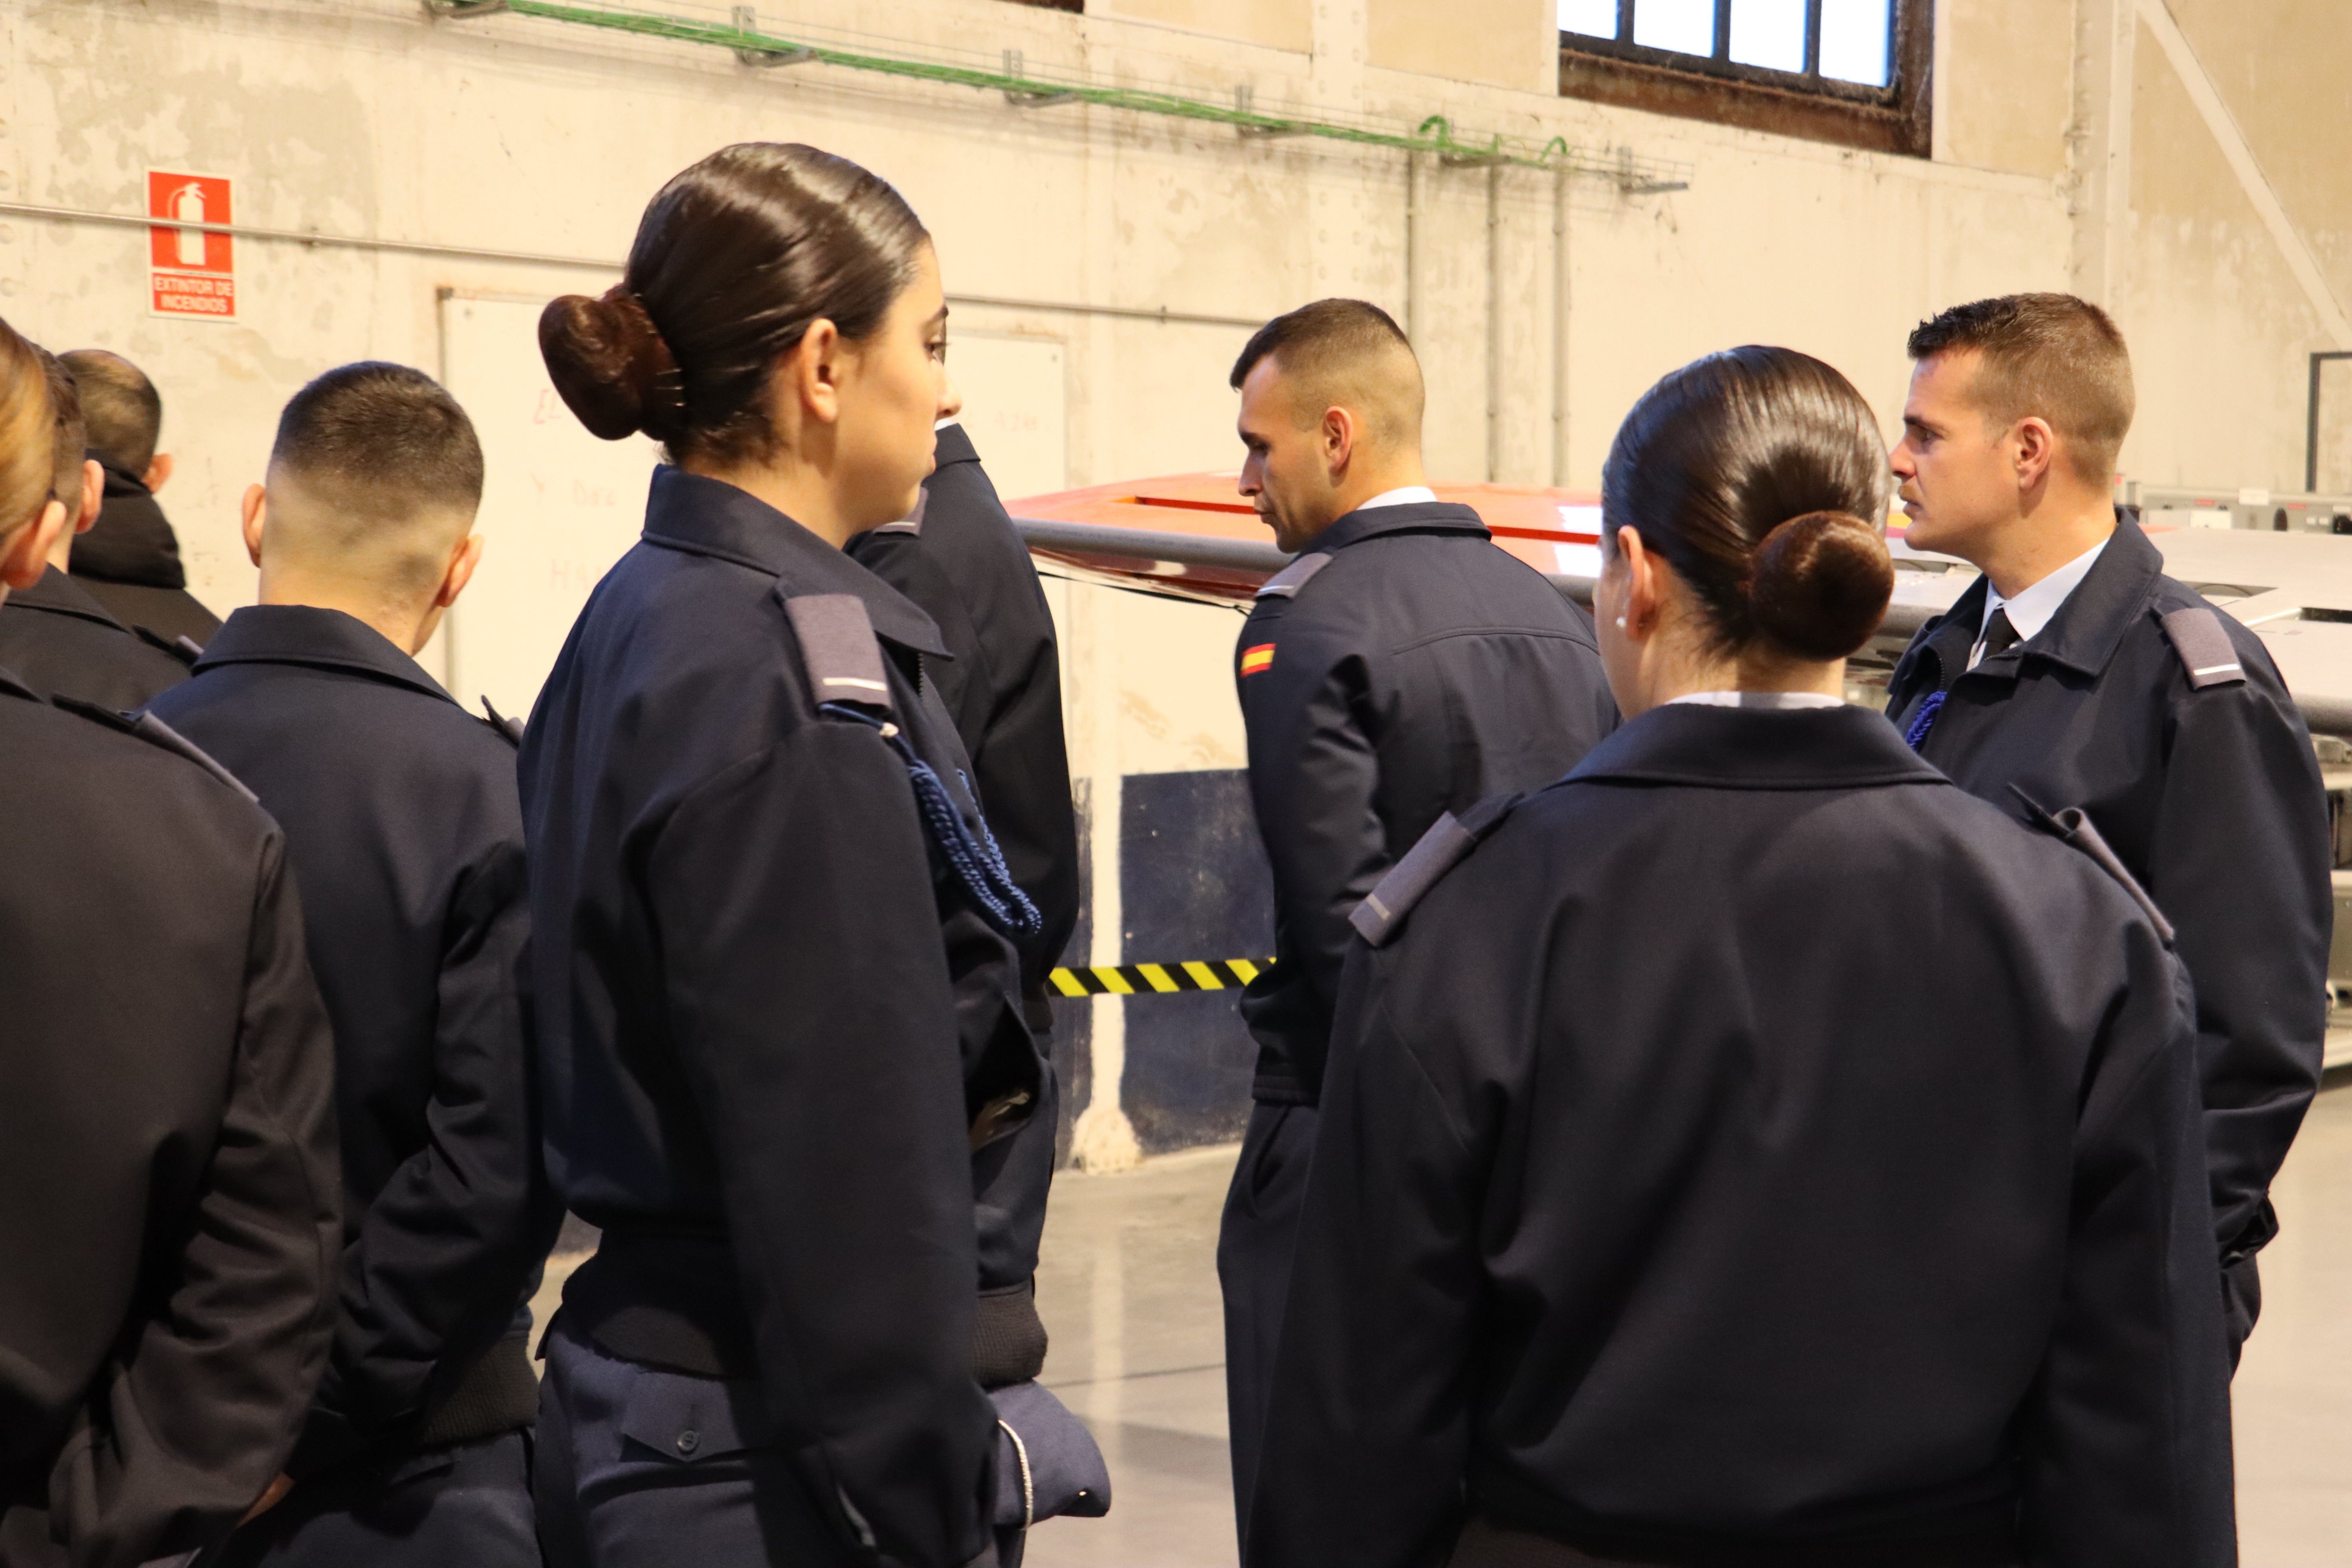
x: 1924, y: 720
x: 977, y: 864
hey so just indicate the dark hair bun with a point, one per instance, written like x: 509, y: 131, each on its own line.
x: 1820, y: 585
x: 611, y: 366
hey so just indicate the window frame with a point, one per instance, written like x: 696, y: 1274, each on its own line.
x: 1890, y: 119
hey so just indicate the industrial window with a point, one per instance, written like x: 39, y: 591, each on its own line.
x: 1849, y: 71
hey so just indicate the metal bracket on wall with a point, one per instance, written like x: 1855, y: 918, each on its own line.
x: 1256, y: 126
x: 1031, y: 98
x: 746, y: 22
x: 1632, y: 182
x: 1464, y: 158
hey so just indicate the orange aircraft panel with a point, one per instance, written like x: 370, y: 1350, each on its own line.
x: 1554, y: 531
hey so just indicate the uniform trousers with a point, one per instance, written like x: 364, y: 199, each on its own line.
x: 644, y: 1467
x: 468, y: 1503
x: 1255, y: 1245
x: 1485, y: 1545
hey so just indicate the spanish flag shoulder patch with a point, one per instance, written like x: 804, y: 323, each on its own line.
x: 1257, y: 660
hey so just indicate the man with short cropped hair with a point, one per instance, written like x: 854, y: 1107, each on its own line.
x: 54, y: 636
x: 130, y: 561
x: 403, y: 826
x: 169, y: 1209
x: 2074, y: 674
x: 1401, y: 667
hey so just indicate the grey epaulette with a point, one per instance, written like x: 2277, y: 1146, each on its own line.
x: 1285, y: 583
x: 838, y: 647
x: 185, y: 649
x: 510, y: 728
x: 1381, y: 914
x: 2204, y: 647
x: 2074, y: 827
x: 156, y: 732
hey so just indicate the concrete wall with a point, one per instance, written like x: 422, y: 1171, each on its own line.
x: 365, y: 118
x: 2007, y: 96
x: 2219, y: 327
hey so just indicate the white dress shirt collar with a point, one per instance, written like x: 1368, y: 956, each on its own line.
x: 1765, y: 701
x: 2032, y: 608
x: 1402, y: 496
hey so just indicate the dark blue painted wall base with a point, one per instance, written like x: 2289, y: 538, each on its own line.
x: 1192, y: 885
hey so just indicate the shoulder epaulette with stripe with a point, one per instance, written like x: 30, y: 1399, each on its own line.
x: 839, y: 649
x: 1448, y: 841
x: 156, y: 732
x: 2204, y: 647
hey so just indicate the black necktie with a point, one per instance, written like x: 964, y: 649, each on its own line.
x: 1999, y: 636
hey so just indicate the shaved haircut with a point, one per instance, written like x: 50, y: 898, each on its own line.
x: 121, y: 410
x: 378, y: 473
x: 2050, y: 355
x: 1344, y: 353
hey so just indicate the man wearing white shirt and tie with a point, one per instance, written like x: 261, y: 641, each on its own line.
x: 2074, y: 674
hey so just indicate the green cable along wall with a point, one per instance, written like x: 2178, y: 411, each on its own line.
x: 1434, y: 135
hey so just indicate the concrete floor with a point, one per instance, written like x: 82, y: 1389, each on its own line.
x: 2294, y: 1391
x: 1128, y: 1291
x: 1128, y: 1287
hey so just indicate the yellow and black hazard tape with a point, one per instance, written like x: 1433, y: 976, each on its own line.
x: 1149, y: 979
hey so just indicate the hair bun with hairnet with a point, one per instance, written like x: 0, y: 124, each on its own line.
x: 611, y: 366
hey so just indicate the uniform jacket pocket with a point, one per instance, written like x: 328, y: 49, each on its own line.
x: 687, y: 1419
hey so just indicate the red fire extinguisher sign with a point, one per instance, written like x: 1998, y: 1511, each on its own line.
x: 190, y: 271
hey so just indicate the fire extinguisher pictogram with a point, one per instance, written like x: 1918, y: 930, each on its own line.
x: 190, y: 271
x: 188, y: 206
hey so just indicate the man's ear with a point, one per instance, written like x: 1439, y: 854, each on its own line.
x: 24, y: 555
x: 2033, y: 447
x: 1339, y: 432
x: 94, y: 495
x: 158, y: 474
x: 463, y: 559
x: 256, y: 510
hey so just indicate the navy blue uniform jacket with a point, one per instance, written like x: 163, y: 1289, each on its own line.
x: 772, y: 1026
x: 1758, y: 1152
x: 2212, y: 800
x: 169, y: 1214
x: 1401, y: 666
x: 405, y: 832
x: 964, y: 562
x: 61, y: 642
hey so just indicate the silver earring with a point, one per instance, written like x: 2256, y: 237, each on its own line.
x: 1620, y: 623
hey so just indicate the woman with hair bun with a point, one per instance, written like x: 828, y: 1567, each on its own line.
x: 784, y: 1063
x: 1752, y: 1149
